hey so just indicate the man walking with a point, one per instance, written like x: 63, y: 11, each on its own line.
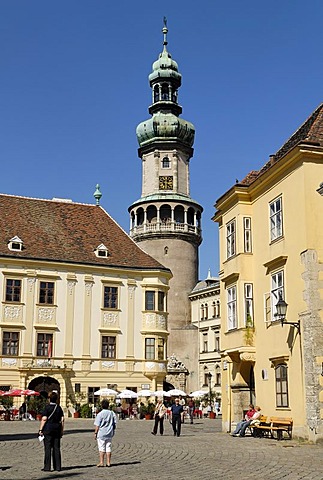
x: 176, y: 417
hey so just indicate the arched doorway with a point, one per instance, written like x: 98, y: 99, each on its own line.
x: 44, y: 385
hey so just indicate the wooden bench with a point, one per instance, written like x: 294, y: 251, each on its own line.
x: 269, y: 425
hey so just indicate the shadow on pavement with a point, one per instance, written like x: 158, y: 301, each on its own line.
x: 7, y: 437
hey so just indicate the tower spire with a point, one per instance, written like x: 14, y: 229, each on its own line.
x: 165, y: 31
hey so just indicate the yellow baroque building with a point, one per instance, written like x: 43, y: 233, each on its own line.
x: 271, y: 250
x: 83, y: 306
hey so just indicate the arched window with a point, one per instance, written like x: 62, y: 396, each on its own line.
x: 190, y: 216
x: 179, y: 214
x: 140, y: 216
x: 151, y: 214
x: 165, y: 214
x: 132, y: 220
x: 165, y: 92
x: 202, y: 311
x: 165, y: 162
x: 156, y: 93
x: 206, y: 311
x: 281, y: 385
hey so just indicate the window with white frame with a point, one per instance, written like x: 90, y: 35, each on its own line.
x: 46, y: 293
x: 247, y: 234
x: 232, y: 307
x: 13, y: 290
x: 248, y: 304
x: 10, y: 343
x: 150, y: 348
x: 276, y: 219
x: 108, y: 346
x: 155, y: 299
x: 110, y: 297
x: 231, y: 238
x: 44, y: 345
x: 281, y: 385
x: 165, y: 162
x: 277, y: 291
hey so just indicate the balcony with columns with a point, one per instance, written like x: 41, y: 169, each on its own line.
x: 165, y: 219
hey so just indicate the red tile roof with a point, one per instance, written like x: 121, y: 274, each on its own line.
x: 310, y: 132
x: 67, y: 232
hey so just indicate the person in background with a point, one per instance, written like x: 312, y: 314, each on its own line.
x: 245, y: 424
x: 23, y: 411
x: 52, y: 427
x: 251, y: 410
x: 159, y: 415
x: 176, y: 417
x: 105, y: 425
x: 191, y: 408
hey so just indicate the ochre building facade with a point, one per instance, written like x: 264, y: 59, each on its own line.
x: 271, y: 250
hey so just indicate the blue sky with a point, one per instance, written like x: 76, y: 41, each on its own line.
x: 74, y: 86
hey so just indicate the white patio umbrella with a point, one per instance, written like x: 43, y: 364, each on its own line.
x: 161, y: 393
x: 198, y: 393
x: 127, y: 394
x: 145, y: 393
x: 176, y: 392
x: 106, y: 392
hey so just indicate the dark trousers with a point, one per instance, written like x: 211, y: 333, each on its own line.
x: 52, y: 445
x: 176, y: 423
x: 159, y: 420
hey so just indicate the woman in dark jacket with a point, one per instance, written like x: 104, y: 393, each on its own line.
x: 51, y: 427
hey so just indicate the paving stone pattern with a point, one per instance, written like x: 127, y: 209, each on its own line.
x: 202, y: 451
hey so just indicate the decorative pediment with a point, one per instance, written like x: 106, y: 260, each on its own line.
x: 101, y: 251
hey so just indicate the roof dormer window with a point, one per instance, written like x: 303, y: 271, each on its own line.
x: 15, y: 244
x: 102, y: 251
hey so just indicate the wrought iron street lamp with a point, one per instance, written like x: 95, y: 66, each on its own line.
x: 281, y: 309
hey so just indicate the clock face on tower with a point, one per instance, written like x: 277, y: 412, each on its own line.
x: 165, y: 183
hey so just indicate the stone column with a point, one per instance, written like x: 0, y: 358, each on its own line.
x: 69, y: 315
x: 131, y: 320
x: 30, y: 312
x: 86, y: 355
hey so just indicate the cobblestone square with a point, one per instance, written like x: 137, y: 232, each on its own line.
x: 202, y: 451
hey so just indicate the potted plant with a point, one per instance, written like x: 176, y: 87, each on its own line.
x: 148, y: 410
x: 36, y: 405
x: 78, y: 397
x: 86, y: 410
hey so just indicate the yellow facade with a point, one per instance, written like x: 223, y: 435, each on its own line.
x: 277, y: 252
x: 77, y: 321
x: 77, y: 326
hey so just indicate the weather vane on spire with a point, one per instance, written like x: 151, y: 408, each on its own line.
x: 165, y: 22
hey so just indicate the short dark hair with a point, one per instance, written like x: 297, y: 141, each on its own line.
x: 53, y: 397
x: 105, y: 404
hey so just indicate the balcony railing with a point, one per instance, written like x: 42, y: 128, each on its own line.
x: 165, y: 227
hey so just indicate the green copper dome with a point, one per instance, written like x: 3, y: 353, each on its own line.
x: 165, y: 124
x: 165, y: 67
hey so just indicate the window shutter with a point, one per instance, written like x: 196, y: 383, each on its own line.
x: 267, y: 307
